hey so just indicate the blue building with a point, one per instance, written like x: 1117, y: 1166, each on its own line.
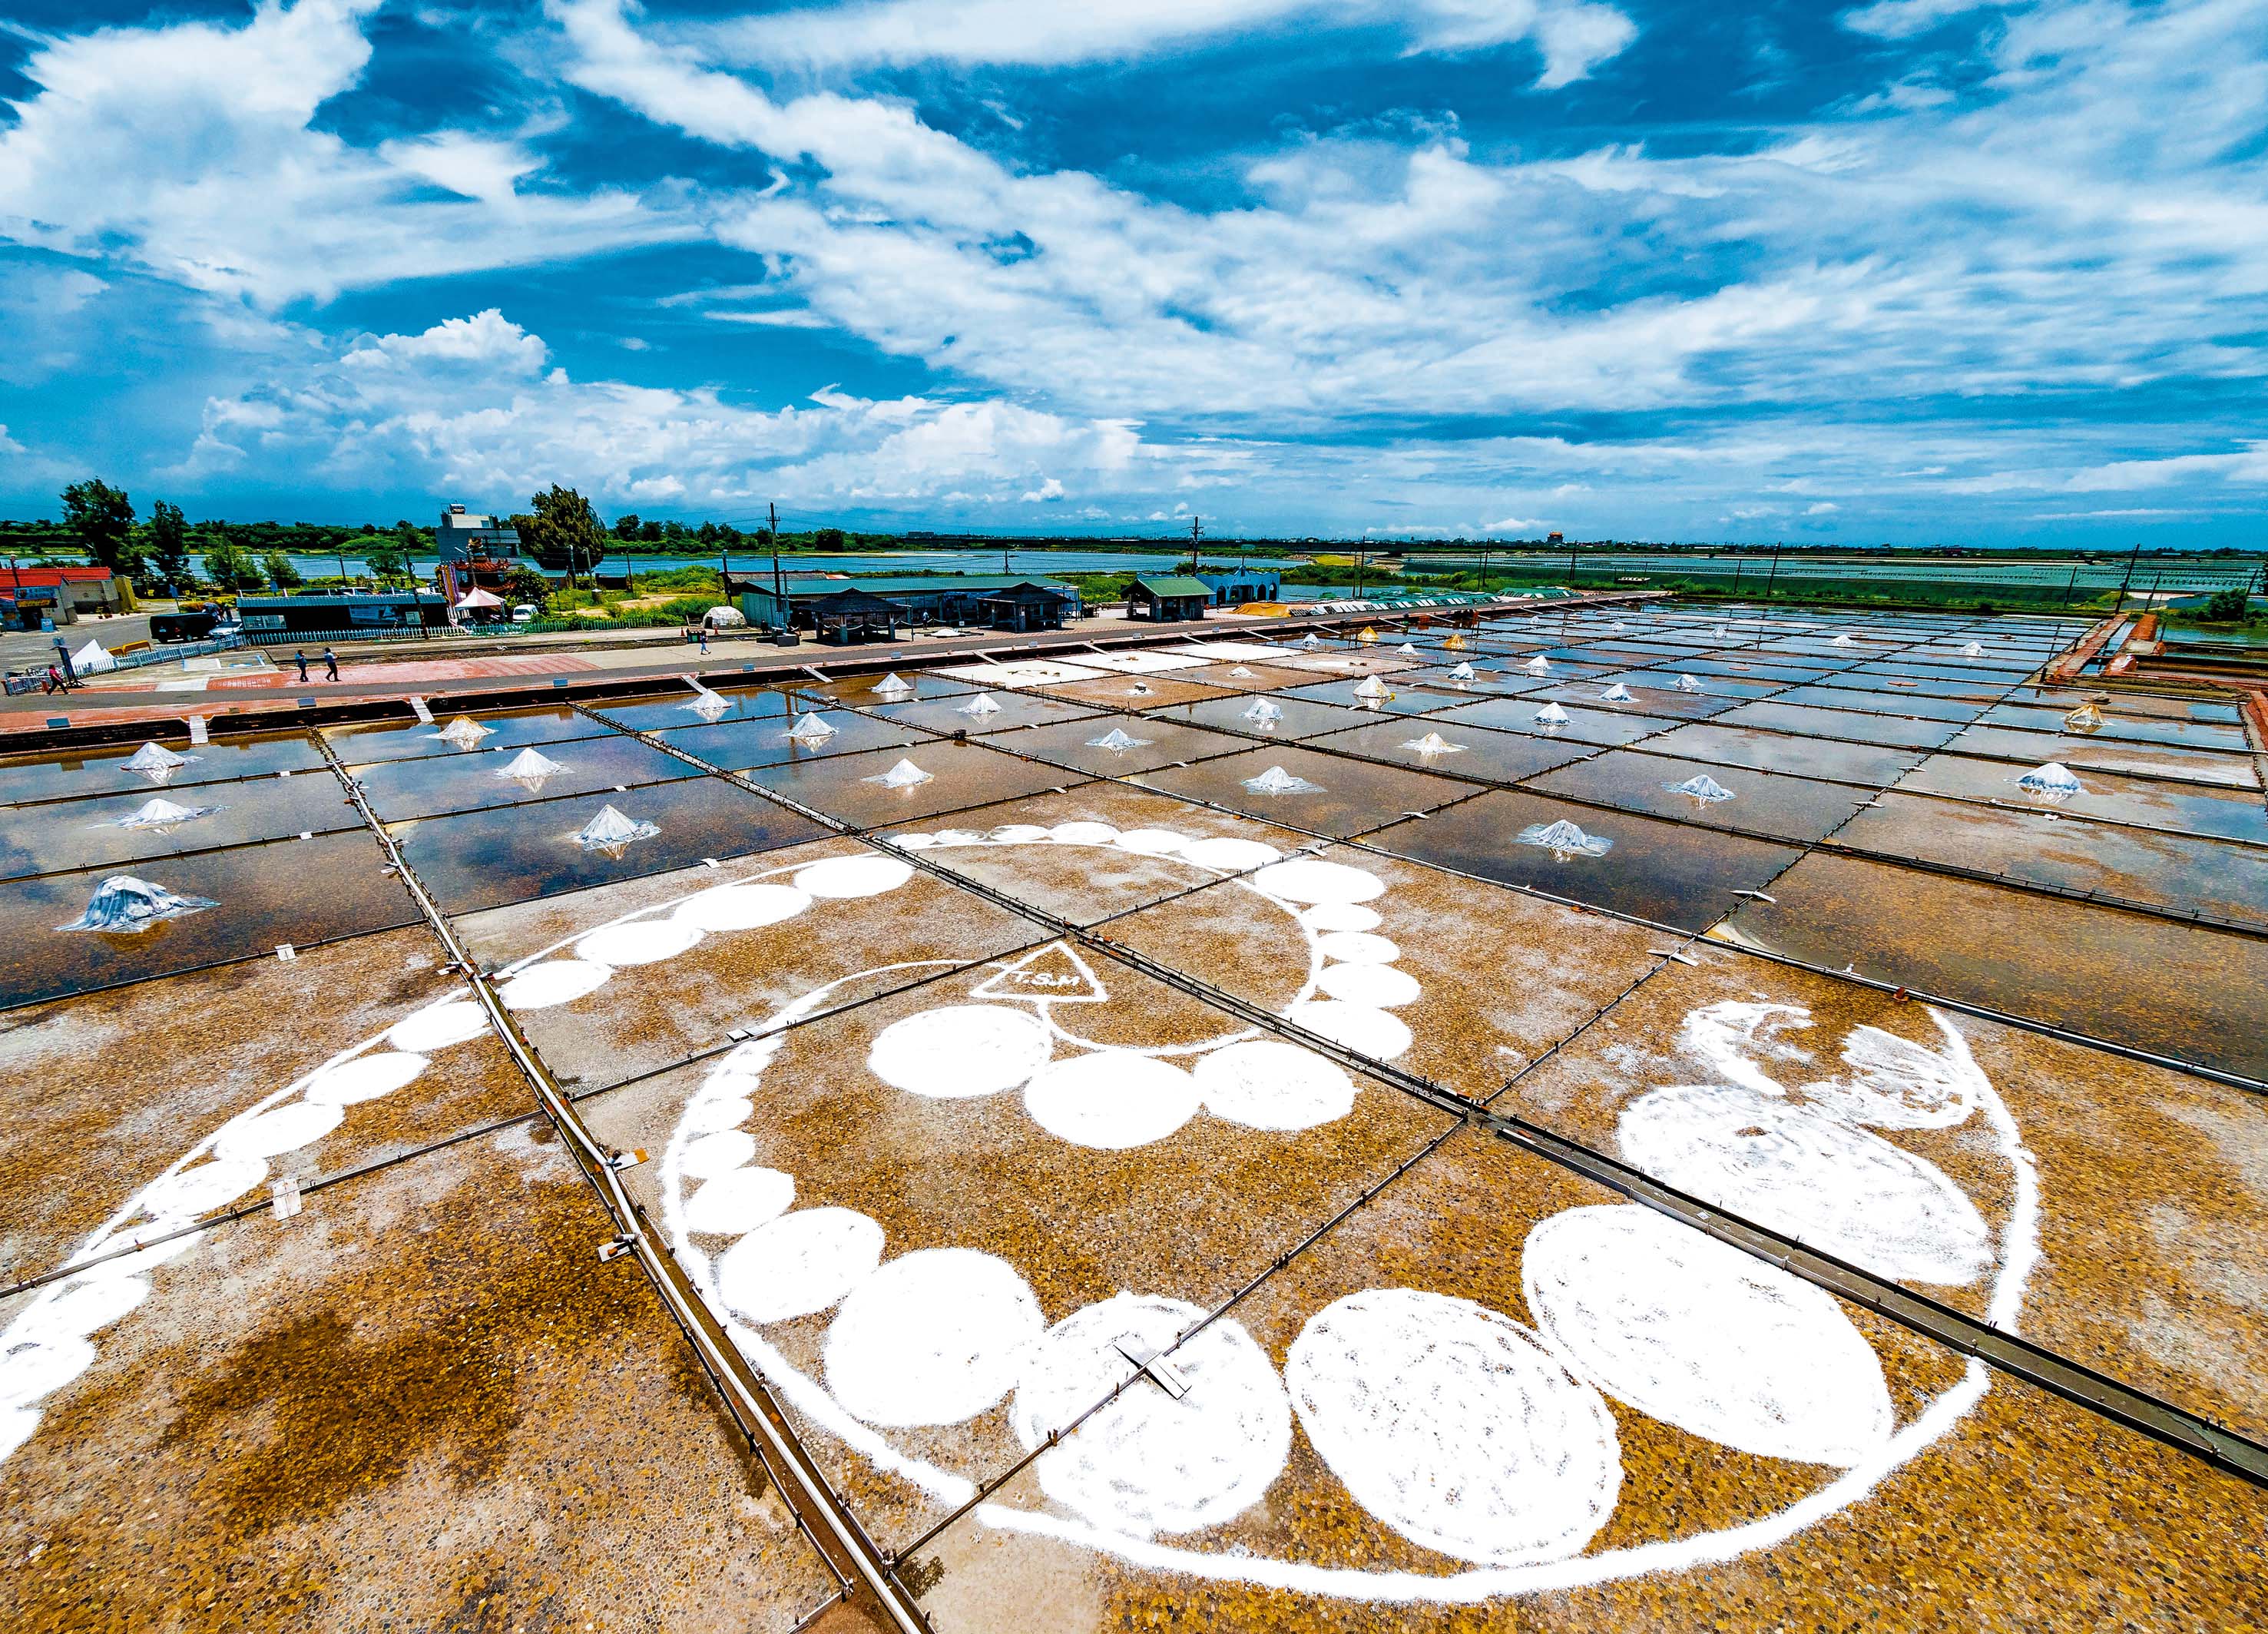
x: 1233, y: 586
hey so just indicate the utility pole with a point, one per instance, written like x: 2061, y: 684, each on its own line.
x: 2128, y: 579
x: 1359, y: 548
x: 779, y: 586
x: 2070, y: 585
x: 1196, y: 533
x: 1772, y: 578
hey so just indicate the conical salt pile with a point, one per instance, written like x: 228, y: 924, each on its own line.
x: 1311, y: 643
x: 464, y: 732
x: 1240, y: 671
x: 893, y: 685
x: 1720, y: 633
x: 979, y: 704
x: 1616, y: 694
x: 126, y: 905
x: 1367, y: 635
x: 1116, y: 739
x: 813, y: 728
x: 531, y: 769
x: 2086, y: 718
x: 1408, y: 648
x: 1550, y: 714
x: 1462, y: 672
x: 1687, y: 683
x: 1538, y: 665
x: 1972, y: 651
x: 1704, y: 789
x: 905, y: 774
x: 1455, y: 642
x: 163, y: 816
x: 2051, y: 781
x: 157, y: 762
x: 1140, y: 689
x: 612, y: 832
x: 1434, y: 743
x: 1276, y: 780
x: 1264, y: 713
x: 1564, y: 840
x: 1616, y: 628
x: 1372, y: 688
x: 709, y: 705
x: 1843, y: 641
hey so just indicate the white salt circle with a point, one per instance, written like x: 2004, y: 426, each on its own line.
x: 1704, y: 1336
x: 741, y: 908
x: 270, y: 1134
x: 437, y: 1026
x: 934, y: 1337
x: 1897, y: 1084
x: 799, y: 1263
x: 958, y: 837
x: 1147, y: 1463
x: 86, y: 1307
x: 716, y: 1113
x: 207, y: 1187
x: 364, y: 1078
x: 554, y: 981
x: 839, y: 878
x: 961, y: 1051
x: 1798, y: 1170
x: 31, y: 1369
x: 1303, y: 879
x: 1263, y: 1084
x: 641, y: 941
x: 1379, y: 986
x: 1231, y: 856
x: 713, y: 1155
x: 1376, y: 1033
x: 1339, y: 916
x: 1355, y: 947
x: 1451, y: 1425
x: 1111, y: 1099
x: 739, y: 1199
x: 1152, y: 842
x: 1083, y: 833
x: 913, y: 842
x: 1017, y: 834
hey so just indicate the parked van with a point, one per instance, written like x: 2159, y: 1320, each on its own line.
x: 525, y: 613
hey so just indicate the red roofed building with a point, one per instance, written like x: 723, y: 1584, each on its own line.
x: 29, y: 595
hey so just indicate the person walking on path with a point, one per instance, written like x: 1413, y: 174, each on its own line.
x: 330, y: 665
x: 704, y: 640
x: 299, y: 657
x: 54, y: 679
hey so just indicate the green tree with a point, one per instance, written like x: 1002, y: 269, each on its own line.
x: 525, y: 584
x: 169, y: 543
x: 626, y: 526
x: 386, y: 562
x: 563, y: 530
x: 2225, y: 607
x: 829, y: 539
x: 103, y: 518
x: 279, y: 572
x: 229, y: 567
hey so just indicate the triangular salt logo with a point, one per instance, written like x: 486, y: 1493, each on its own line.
x: 1054, y: 973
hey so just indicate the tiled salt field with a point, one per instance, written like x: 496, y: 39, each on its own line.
x: 1755, y: 1122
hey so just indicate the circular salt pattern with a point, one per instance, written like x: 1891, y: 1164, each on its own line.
x: 1111, y: 1099
x: 554, y: 981
x: 739, y: 1199
x: 1355, y: 947
x: 207, y: 1187
x: 1327, y: 916
x: 641, y: 941
x: 1303, y: 879
x: 741, y: 908
x: 1380, y: 987
x: 843, y: 877
x: 1376, y: 1033
x: 717, y: 1112
x: 1083, y: 833
x: 1895, y: 1085
x: 913, y: 842
x: 1263, y: 1084
x: 1701, y: 1335
x: 437, y: 1026
x: 1230, y: 856
x: 1017, y: 834
x: 962, y: 1051
x: 1147, y: 1463
x: 1451, y: 1425
x: 933, y: 1337
x: 364, y: 1078
x: 1801, y: 1171
x: 1152, y: 842
x: 86, y: 1306
x: 271, y: 1133
x: 713, y: 1155
x: 799, y: 1263
x: 31, y: 1369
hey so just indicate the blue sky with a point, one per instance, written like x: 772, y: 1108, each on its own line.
x: 1921, y: 270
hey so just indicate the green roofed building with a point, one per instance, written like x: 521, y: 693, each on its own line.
x: 989, y: 600
x: 1168, y: 598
